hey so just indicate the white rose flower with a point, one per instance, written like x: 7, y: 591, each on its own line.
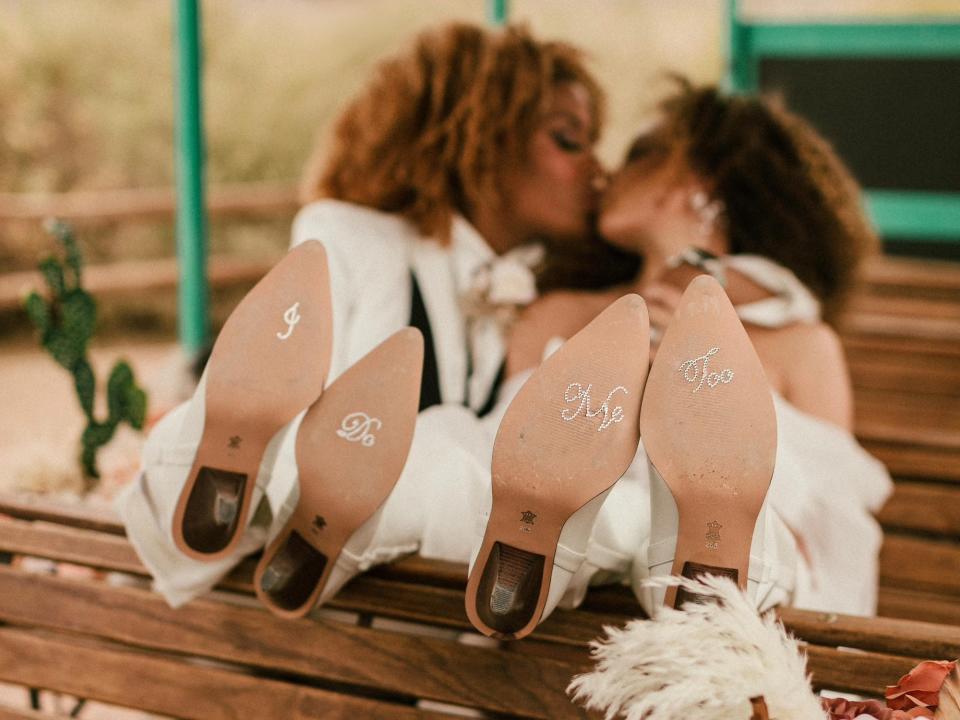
x: 512, y: 280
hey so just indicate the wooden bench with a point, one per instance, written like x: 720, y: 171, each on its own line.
x: 391, y: 644
x: 372, y: 655
x: 902, y: 339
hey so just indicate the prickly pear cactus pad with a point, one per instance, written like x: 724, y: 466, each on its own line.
x: 66, y: 321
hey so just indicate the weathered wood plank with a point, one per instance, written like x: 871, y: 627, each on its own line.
x: 912, y: 274
x: 904, y: 306
x: 68, y: 544
x: 921, y: 348
x: 86, y: 547
x: 920, y: 564
x: 915, y: 462
x: 927, y: 507
x: 909, y: 604
x: 867, y: 673
x: 172, y: 686
x: 11, y: 713
x: 30, y: 507
x: 323, y: 650
x: 921, y: 640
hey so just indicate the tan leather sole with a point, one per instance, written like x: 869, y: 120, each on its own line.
x: 568, y: 436
x: 709, y: 428
x: 269, y: 362
x: 351, y: 448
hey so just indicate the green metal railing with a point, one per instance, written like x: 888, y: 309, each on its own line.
x: 912, y: 215
x: 497, y: 11
x: 193, y: 292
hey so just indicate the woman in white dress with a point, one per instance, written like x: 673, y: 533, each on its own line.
x: 750, y: 193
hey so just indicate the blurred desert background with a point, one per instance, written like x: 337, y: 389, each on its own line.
x: 86, y: 108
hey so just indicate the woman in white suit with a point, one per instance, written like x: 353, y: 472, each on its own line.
x: 458, y: 152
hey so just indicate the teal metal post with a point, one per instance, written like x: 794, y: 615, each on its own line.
x: 497, y: 11
x: 739, y: 61
x: 193, y: 322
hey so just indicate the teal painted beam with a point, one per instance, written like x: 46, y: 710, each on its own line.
x: 932, y: 217
x: 741, y: 69
x: 920, y: 40
x: 193, y: 293
x: 497, y: 12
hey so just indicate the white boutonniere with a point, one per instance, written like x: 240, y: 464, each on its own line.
x: 501, y: 287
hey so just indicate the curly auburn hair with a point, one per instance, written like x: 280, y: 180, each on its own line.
x: 785, y: 193
x: 426, y: 136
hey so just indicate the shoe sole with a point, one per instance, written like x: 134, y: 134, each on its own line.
x: 568, y: 436
x: 269, y: 363
x: 709, y: 429
x: 351, y: 448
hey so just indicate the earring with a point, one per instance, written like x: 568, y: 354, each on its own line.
x: 707, y: 211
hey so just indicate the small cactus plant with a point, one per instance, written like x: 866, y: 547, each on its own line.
x: 66, y: 323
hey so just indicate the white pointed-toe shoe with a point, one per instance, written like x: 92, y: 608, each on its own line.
x: 709, y: 429
x: 268, y: 364
x: 351, y: 447
x: 566, y: 438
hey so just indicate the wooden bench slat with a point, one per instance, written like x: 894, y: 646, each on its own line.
x: 171, y: 687
x: 904, y: 603
x: 444, y: 607
x: 867, y: 673
x: 926, y: 507
x: 920, y: 564
x: 878, y: 324
x: 912, y: 273
x: 67, y: 544
x: 923, y: 640
x: 904, y: 306
x: 413, y: 582
x: 915, y: 462
x: 326, y: 651
x: 921, y: 348
x: 82, y: 516
x: 10, y: 713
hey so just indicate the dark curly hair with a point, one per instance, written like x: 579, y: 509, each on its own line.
x: 426, y: 136
x: 786, y: 195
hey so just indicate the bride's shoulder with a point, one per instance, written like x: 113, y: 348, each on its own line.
x: 816, y: 336
x: 801, y: 347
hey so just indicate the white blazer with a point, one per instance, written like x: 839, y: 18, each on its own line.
x: 371, y: 256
